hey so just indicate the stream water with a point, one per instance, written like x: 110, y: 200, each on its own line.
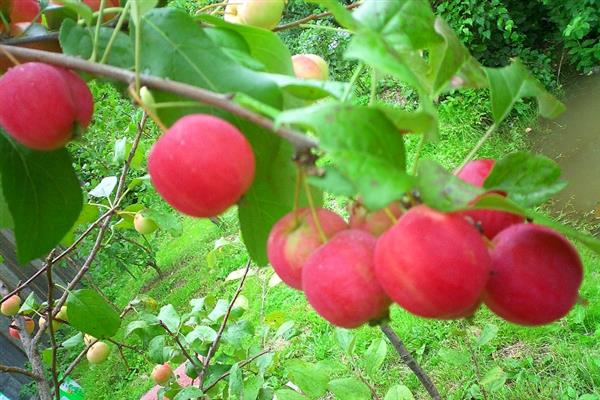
x: 573, y: 141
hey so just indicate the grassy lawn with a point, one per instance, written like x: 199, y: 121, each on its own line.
x: 558, y: 361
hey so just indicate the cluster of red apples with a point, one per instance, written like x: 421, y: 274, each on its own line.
x: 432, y: 264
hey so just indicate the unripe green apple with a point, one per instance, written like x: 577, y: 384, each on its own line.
x: 62, y: 314
x: 11, y: 306
x: 42, y: 324
x: 98, y: 353
x: 310, y: 66
x: 162, y: 373
x: 143, y: 224
x: 260, y: 13
x: 88, y: 339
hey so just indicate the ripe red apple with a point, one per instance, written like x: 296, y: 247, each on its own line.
x: 260, y: 13
x: 24, y: 11
x: 42, y: 106
x: 491, y: 222
x: 98, y: 353
x: 536, y: 275
x: 476, y: 172
x: 295, y: 237
x: 143, y: 224
x: 432, y: 264
x: 202, y: 165
x: 375, y: 222
x: 14, y: 331
x: 310, y: 66
x: 162, y: 373
x: 11, y: 306
x: 339, y: 281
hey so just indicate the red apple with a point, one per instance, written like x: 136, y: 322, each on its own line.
x: 339, y: 281
x: 375, y: 222
x: 11, y: 306
x: 536, y: 275
x: 24, y: 11
x: 432, y: 264
x: 491, y: 222
x: 310, y: 66
x: 14, y: 331
x: 98, y: 353
x: 162, y: 373
x: 202, y: 165
x: 295, y: 237
x: 42, y: 106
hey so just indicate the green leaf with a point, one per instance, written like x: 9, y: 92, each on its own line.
x: 494, y: 379
x: 135, y: 326
x: 78, y: 41
x: 105, y: 187
x: 350, y: 389
x: 334, y: 182
x: 91, y: 314
x: 265, y: 46
x: 308, y: 89
x: 237, y: 332
x: 529, y: 179
x: 252, y: 387
x: 346, y: 339
x: 141, y: 7
x: 175, y: 46
x: 29, y: 305
x: 420, y: 121
x: 364, y: 145
x: 441, y: 189
x: 82, y: 10
x: 88, y: 214
x: 166, y: 221
x: 73, y: 341
x: 288, y: 394
x: 189, y: 393
x: 156, y: 349
x: 169, y: 316
x: 311, y: 378
x: 513, y: 82
x: 374, y: 357
x: 236, y: 383
x: 488, y: 333
x: 219, y: 310
x: 5, y: 217
x: 454, y: 357
x: 391, y: 38
x: 202, y: 333
x: 341, y: 14
x: 43, y: 196
x: 399, y: 392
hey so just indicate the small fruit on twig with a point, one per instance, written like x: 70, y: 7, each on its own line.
x: 202, y: 165
x: 434, y: 265
x: 162, y: 373
x: 11, y: 306
x: 14, y: 331
x: 536, y: 275
x: 295, y: 237
x: 339, y: 281
x: 143, y: 224
x: 310, y: 66
x: 260, y: 13
x: 43, y: 107
x: 98, y: 353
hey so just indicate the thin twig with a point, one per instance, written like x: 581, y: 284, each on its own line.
x: 76, y: 362
x: 475, y: 362
x: 312, y: 17
x: 16, y: 370
x: 50, y: 325
x: 215, y: 344
x: 187, y: 355
x: 24, y: 284
x: 298, y: 140
x: 410, y: 361
x: 241, y: 365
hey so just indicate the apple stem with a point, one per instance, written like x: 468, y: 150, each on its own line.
x: 313, y: 212
x: 418, y: 154
x: 113, y: 36
x: 210, y: 6
x: 299, y: 179
x: 410, y: 361
x: 147, y: 109
x: 390, y: 214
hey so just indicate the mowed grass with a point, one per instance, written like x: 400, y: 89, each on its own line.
x: 558, y: 361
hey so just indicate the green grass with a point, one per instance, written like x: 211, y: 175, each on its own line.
x: 558, y: 361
